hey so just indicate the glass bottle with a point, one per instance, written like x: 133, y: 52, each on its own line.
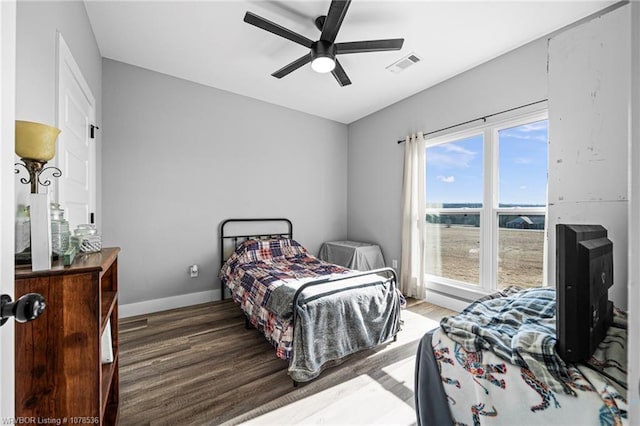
x: 59, y: 230
x: 23, y: 229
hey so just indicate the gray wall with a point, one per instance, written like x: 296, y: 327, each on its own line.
x: 179, y: 158
x: 516, y: 78
x: 36, y: 58
x: 589, y: 86
x: 376, y: 160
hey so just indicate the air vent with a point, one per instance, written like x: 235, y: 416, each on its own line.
x: 404, y: 63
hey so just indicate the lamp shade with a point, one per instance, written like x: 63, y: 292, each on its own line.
x: 323, y: 64
x: 35, y: 141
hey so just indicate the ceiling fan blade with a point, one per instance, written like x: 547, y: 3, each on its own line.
x: 333, y: 21
x: 272, y: 27
x: 369, y: 46
x: 340, y: 75
x: 303, y: 60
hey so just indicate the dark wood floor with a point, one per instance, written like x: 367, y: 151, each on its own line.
x: 200, y: 366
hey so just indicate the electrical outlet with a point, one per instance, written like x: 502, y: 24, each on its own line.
x: 394, y: 263
x: 193, y: 271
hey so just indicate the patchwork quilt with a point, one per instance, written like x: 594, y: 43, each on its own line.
x: 256, y: 269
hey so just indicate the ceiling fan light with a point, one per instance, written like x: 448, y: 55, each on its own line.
x: 323, y: 64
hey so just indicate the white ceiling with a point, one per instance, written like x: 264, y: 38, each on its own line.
x: 207, y: 42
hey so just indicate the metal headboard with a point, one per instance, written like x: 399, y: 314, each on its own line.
x: 240, y: 238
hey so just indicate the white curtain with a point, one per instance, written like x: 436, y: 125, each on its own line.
x: 413, y: 218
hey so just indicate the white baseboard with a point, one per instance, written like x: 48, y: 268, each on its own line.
x: 166, y: 303
x: 445, y: 301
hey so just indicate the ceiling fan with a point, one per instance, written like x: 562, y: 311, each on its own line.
x: 322, y: 54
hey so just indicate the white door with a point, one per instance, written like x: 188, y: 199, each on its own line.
x: 7, y: 211
x: 76, y: 153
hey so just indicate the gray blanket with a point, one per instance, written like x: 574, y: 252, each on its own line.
x: 281, y: 299
x: 333, y: 323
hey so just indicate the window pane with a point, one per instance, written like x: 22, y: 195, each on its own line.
x: 523, y: 165
x: 454, y: 173
x: 453, y: 246
x: 520, y: 250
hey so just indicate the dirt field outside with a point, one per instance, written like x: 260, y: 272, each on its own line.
x: 520, y: 254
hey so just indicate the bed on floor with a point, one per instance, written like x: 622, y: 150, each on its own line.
x: 499, y: 362
x: 313, y: 312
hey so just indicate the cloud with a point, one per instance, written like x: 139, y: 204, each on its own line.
x: 533, y: 127
x: 540, y: 137
x: 451, y: 147
x: 450, y: 155
x: 522, y: 160
x: 532, y: 131
x: 446, y: 179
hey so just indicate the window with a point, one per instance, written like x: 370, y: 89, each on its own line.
x: 486, y: 191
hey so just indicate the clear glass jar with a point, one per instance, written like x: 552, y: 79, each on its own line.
x: 23, y: 229
x: 60, y: 234
x: 87, y: 239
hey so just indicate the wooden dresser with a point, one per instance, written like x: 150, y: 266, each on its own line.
x: 60, y: 376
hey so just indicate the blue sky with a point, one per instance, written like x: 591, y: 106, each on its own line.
x: 454, y: 170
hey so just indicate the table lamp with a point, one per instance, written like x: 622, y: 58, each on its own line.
x: 35, y: 145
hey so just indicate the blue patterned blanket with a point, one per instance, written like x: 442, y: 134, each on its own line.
x: 518, y: 326
x: 498, y: 365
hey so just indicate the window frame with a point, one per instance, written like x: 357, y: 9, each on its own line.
x: 490, y: 210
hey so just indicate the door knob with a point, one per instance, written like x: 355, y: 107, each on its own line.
x: 26, y: 308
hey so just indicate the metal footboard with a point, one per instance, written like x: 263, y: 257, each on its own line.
x: 390, y: 279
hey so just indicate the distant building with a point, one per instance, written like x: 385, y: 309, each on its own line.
x: 525, y: 222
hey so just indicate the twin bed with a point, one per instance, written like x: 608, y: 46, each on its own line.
x: 314, y: 313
